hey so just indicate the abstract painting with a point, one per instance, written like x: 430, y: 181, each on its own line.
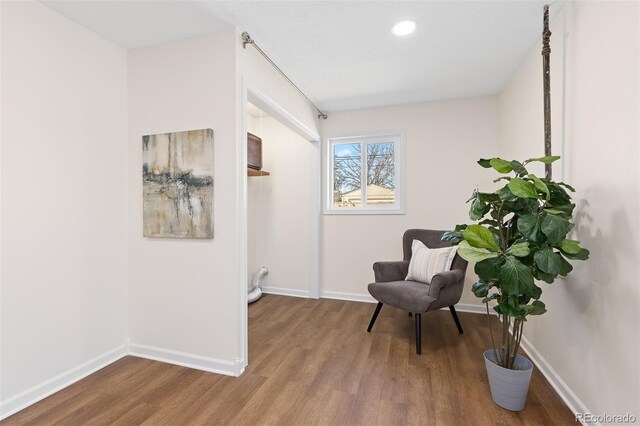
x: 177, y: 176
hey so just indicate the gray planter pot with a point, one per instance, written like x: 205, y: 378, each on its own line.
x: 509, y: 388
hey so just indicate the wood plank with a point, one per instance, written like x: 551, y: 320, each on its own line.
x: 257, y: 173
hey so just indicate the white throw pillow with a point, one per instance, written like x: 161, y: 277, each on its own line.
x: 426, y: 262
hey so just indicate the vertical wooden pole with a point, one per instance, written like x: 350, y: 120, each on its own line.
x: 546, y: 52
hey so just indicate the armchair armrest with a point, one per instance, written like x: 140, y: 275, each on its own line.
x: 450, y: 282
x: 391, y: 271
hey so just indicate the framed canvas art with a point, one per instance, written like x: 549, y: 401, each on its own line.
x: 177, y: 176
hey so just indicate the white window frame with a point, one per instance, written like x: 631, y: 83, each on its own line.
x: 364, y: 138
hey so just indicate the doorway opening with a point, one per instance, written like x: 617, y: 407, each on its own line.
x: 281, y: 207
x: 278, y: 207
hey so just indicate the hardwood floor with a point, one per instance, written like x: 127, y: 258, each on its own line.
x: 312, y: 362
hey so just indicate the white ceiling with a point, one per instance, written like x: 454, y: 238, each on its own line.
x: 139, y: 23
x: 342, y: 53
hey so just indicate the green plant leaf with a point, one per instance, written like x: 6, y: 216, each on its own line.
x: 536, y: 292
x: 479, y: 206
x: 540, y: 185
x: 565, y: 267
x: 474, y: 254
x: 555, y: 228
x: 485, y: 162
x: 535, y: 308
x: 518, y: 168
x: 520, y: 249
x: 502, y: 166
x: 582, y: 255
x: 566, y: 185
x: 515, y: 277
x: 570, y: 246
x: 565, y: 211
x: 506, y: 309
x: 480, y: 237
x: 557, y: 195
x: 548, y: 278
x: 529, y: 227
x: 522, y: 206
x: 513, y: 301
x: 480, y: 288
x: 478, y: 209
x: 488, y: 197
x: 505, y: 194
x: 502, y: 178
x: 490, y: 222
x: 546, y: 160
x: 454, y: 236
x: 522, y: 188
x: 489, y: 269
x: 548, y: 261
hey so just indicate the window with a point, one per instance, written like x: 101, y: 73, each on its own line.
x: 375, y: 159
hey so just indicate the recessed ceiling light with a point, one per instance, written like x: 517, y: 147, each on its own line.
x: 404, y: 28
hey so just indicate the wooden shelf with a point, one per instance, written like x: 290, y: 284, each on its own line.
x: 253, y: 172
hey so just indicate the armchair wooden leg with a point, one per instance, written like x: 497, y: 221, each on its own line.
x: 418, y: 333
x: 374, y: 317
x: 455, y: 318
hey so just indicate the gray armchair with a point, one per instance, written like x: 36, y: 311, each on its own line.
x: 417, y: 298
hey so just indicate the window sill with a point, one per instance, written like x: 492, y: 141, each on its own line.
x: 364, y: 212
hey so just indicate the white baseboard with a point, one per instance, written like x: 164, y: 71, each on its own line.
x: 568, y: 396
x: 353, y: 297
x: 359, y: 297
x: 183, y: 359
x: 286, y: 292
x: 59, y: 382
x: 473, y: 309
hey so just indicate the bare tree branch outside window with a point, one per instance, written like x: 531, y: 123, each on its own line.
x: 381, y: 165
x: 347, y: 163
x: 347, y: 167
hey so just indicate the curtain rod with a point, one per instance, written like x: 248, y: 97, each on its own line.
x: 246, y: 39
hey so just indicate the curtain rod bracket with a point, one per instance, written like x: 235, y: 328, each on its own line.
x: 246, y: 39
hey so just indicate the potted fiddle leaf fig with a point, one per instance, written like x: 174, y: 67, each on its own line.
x: 520, y: 239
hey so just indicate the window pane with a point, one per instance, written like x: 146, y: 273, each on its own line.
x: 347, y: 170
x: 381, y: 182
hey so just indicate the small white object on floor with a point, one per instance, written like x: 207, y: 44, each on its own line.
x: 255, y: 292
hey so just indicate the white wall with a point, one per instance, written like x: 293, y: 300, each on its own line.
x: 443, y: 142
x: 253, y: 127
x: 260, y: 74
x: 279, y: 208
x: 64, y: 216
x: 590, y: 334
x: 183, y: 294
